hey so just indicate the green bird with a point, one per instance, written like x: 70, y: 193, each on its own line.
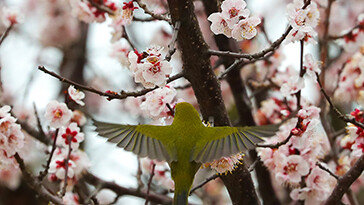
x: 185, y: 145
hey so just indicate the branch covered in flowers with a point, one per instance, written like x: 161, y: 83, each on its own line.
x: 260, y: 54
x: 345, y: 182
x: 109, y: 94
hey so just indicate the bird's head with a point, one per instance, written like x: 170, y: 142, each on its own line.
x: 187, y: 113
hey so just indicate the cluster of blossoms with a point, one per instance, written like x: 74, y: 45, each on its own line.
x: 88, y: 13
x: 234, y: 21
x: 296, y: 83
x: 149, y: 68
x: 11, y: 140
x: 353, y: 143
x: 303, y: 21
x: 273, y: 111
x: 351, y: 82
x: 67, y: 155
x: 155, y: 104
x: 353, y: 39
x: 296, y: 160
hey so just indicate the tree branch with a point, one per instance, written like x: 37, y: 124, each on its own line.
x: 345, y: 182
x: 152, y: 14
x: 35, y: 184
x: 109, y: 95
x: 171, y: 46
x: 54, y: 146
x: 213, y: 177
x: 6, y: 33
x: 149, y: 184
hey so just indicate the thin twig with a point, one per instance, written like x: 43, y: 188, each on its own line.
x: 277, y: 145
x: 337, y: 112
x: 109, y: 95
x: 152, y: 14
x: 150, y: 183
x: 327, y: 170
x: 5, y: 34
x: 39, y: 124
x: 213, y: 177
x: 171, y: 47
x: 101, y: 7
x: 359, y: 26
x: 252, y: 166
x: 63, y: 192
x: 126, y: 36
x: 302, y: 72
x: 35, y: 184
x: 54, y: 146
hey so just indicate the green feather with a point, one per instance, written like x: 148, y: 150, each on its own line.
x: 185, y: 144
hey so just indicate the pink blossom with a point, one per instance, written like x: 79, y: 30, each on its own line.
x: 79, y: 118
x: 57, y: 114
x: 10, y: 16
x: 219, y: 25
x: 128, y: 10
x: 292, y: 86
x: 57, y: 168
x: 156, y: 101
x: 76, y: 95
x: 292, y: 168
x: 156, y: 73
x: 233, y: 11
x: 70, y: 134
x: 307, y: 36
x: 246, y: 28
x: 225, y: 164
x: 10, y: 176
x: 303, y: 19
x: 312, y: 67
x: 120, y: 52
x: 70, y: 198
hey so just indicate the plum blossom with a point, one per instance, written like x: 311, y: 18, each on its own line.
x: 234, y: 21
x: 148, y: 67
x: 351, y: 80
x: 120, y: 52
x: 292, y: 168
x: 312, y: 67
x: 88, y: 13
x: 70, y: 198
x: 11, y: 136
x: 70, y: 134
x: 10, y: 16
x: 303, y: 21
x: 225, y: 164
x: 319, y: 185
x: 57, y: 168
x: 79, y: 118
x: 128, y: 10
x: 155, y: 103
x: 219, y: 25
x: 57, y: 114
x: 76, y: 95
x: 292, y: 86
x: 233, y: 11
x: 246, y: 28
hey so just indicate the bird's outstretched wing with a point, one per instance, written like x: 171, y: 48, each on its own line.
x: 227, y: 141
x: 143, y: 140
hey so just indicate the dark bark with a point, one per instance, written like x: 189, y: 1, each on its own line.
x: 238, y: 89
x: 196, y: 62
x: 198, y: 71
